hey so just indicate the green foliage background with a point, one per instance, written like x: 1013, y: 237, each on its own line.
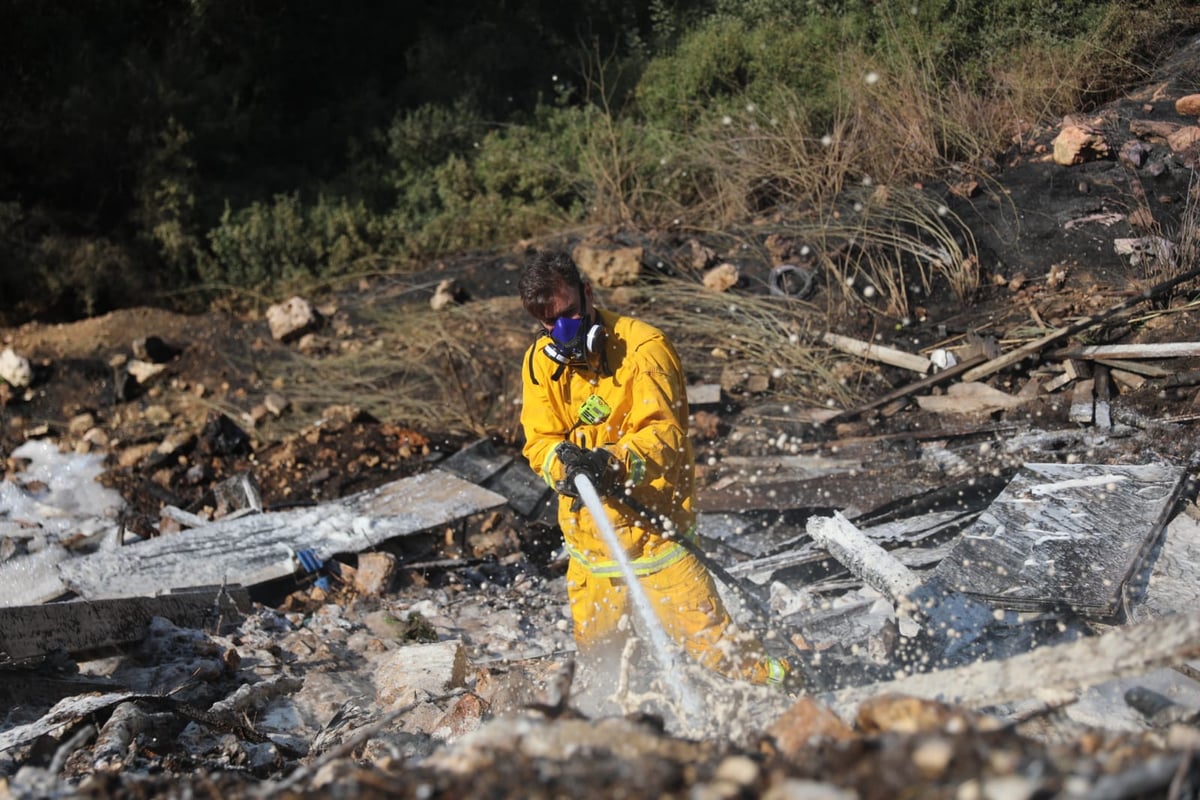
x: 181, y: 152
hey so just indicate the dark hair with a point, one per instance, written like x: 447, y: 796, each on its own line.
x: 543, y: 275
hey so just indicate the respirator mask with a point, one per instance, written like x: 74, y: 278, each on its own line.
x: 574, y: 341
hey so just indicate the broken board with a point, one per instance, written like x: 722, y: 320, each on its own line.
x: 253, y: 549
x: 1064, y: 536
x: 32, y: 632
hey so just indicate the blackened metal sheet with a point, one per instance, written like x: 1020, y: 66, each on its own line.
x: 1064, y: 536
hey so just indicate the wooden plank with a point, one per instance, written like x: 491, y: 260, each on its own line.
x: 1036, y: 346
x: 1170, y: 587
x: 1103, y: 388
x: 798, y: 467
x: 875, y: 352
x: 971, y: 398
x: 1071, y: 371
x: 1136, y: 367
x: 1018, y: 355
x: 523, y: 487
x: 64, y: 713
x: 1083, y: 405
x: 1064, y: 536
x: 928, y: 382
x: 31, y: 632
x: 253, y: 549
x: 1133, y: 351
x: 1086, y: 662
x: 863, y: 557
x: 1127, y: 380
x: 703, y: 395
x: 1189, y: 378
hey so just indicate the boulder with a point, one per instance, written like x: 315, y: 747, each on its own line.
x: 617, y: 266
x: 15, y: 369
x: 292, y: 319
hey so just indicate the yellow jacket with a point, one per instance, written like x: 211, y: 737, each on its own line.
x: 646, y: 430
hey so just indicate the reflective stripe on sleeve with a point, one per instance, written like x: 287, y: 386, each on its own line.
x: 637, y: 469
x: 547, y: 463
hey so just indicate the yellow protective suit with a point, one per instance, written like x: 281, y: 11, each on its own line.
x: 647, y: 431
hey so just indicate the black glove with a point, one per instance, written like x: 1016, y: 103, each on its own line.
x: 602, y: 468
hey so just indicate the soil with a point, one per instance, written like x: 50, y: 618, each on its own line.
x: 1032, y: 219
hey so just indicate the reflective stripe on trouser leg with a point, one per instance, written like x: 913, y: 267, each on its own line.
x: 776, y: 671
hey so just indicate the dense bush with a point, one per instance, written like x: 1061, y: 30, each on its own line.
x: 145, y: 155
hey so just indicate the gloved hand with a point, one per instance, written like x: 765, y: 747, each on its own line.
x: 603, y: 469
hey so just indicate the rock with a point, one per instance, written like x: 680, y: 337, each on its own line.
x: 903, y: 714
x: 617, y: 266
x: 448, y: 293
x: 222, y: 436
x: 1184, y: 138
x: 464, y: 716
x: 1134, y: 152
x: 276, y: 404
x: 81, y: 423
x: 15, y: 369
x: 804, y: 721
x: 722, y: 278
x: 420, y: 671
x: 144, y: 372
x: 1188, y: 105
x: 1075, y: 145
x: 374, y: 573
x: 698, y: 256
x: 291, y: 320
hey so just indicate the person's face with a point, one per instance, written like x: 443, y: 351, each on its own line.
x: 569, y: 303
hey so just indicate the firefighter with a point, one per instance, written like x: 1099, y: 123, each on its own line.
x: 604, y: 396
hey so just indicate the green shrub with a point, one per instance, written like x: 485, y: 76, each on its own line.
x: 726, y: 61
x: 267, y: 247
x: 511, y: 182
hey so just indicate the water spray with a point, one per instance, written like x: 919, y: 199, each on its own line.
x: 662, y: 646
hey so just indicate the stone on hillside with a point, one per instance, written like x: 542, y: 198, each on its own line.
x: 722, y: 278
x: 699, y: 256
x: 276, y: 404
x: 1188, y: 105
x: 81, y: 423
x: 144, y: 372
x: 448, y: 293
x: 292, y: 319
x: 464, y: 716
x: 15, y: 369
x: 1134, y: 152
x: 1076, y: 144
x: 617, y: 266
x: 1184, y: 138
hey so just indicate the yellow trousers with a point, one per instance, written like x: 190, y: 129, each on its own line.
x: 685, y: 600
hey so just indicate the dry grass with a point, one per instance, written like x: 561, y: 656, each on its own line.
x: 456, y: 370
x: 763, y: 159
x: 1172, y: 247
x: 755, y: 335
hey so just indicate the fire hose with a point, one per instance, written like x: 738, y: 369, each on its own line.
x: 803, y: 658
